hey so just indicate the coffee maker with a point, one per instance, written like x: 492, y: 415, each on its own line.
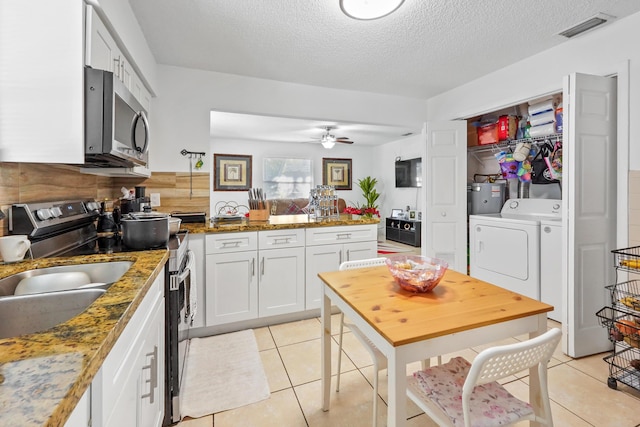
x: 140, y: 203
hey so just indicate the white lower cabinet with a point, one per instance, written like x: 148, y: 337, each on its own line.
x: 232, y: 287
x: 328, y: 247
x: 274, y: 272
x: 129, y: 387
x: 281, y: 281
x: 254, y: 274
x: 81, y: 415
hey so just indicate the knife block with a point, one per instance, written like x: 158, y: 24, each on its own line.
x: 258, y: 215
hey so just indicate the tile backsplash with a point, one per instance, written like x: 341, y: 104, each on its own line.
x: 35, y: 182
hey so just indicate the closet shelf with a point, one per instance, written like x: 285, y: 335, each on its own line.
x: 512, y: 142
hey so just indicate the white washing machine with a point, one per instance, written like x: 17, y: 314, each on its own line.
x: 504, y: 248
x: 551, y: 266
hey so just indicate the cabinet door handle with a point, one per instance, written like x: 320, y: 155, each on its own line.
x: 235, y: 243
x: 253, y: 267
x: 153, y: 380
x: 340, y: 257
x: 281, y: 240
x: 262, y: 267
x: 348, y: 255
x: 116, y: 67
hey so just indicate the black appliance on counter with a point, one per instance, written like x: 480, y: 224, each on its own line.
x: 68, y: 228
x: 191, y: 217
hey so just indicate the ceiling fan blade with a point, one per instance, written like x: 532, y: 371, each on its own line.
x: 344, y: 141
x: 342, y: 137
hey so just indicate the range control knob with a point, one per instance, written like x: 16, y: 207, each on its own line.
x: 513, y: 204
x: 44, y: 213
x: 556, y: 206
x: 56, y: 211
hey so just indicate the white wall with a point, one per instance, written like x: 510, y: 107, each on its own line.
x: 180, y: 113
x: 601, y: 52
x: 384, y: 157
x: 361, y: 157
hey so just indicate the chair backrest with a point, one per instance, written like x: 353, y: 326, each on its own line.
x: 501, y: 361
x: 361, y: 263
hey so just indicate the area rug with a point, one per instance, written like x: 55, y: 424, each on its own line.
x: 386, y: 248
x: 223, y: 372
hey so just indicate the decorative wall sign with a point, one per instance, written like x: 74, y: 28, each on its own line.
x: 232, y: 172
x: 336, y: 172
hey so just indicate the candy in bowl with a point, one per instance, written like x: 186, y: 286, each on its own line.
x: 416, y: 273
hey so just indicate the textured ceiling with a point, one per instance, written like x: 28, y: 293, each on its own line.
x: 424, y: 48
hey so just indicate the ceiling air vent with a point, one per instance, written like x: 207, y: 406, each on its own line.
x: 587, y: 25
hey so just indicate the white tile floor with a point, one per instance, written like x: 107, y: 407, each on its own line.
x: 291, y: 356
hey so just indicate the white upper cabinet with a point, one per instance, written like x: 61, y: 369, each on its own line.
x: 42, y: 58
x: 103, y: 53
x: 41, y: 75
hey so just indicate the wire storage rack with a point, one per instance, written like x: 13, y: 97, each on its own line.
x: 622, y: 321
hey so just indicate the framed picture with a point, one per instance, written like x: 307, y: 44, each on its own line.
x: 396, y: 213
x: 412, y: 215
x: 232, y: 172
x: 336, y: 172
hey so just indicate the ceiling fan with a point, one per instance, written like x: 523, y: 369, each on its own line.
x: 328, y: 140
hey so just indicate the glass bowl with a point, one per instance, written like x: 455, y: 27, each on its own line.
x: 416, y: 273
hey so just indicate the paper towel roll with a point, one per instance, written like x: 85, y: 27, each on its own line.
x: 542, y: 130
x: 542, y: 118
x: 540, y: 107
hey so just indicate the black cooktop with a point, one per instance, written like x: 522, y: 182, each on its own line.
x: 105, y: 243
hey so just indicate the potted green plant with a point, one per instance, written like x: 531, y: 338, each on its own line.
x: 371, y: 195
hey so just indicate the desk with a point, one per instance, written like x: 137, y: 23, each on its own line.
x: 459, y: 313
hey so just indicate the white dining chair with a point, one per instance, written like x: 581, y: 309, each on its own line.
x: 438, y: 390
x: 379, y: 361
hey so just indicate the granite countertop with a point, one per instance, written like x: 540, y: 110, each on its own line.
x: 44, y: 375
x: 275, y: 222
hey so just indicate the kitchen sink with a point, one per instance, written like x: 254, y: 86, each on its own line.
x: 99, y: 275
x: 27, y: 314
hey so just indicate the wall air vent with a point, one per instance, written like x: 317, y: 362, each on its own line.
x: 587, y: 25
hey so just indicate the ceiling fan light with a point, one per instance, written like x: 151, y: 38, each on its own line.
x: 369, y: 9
x: 328, y: 144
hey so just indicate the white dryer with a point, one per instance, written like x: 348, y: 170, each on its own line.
x: 504, y: 248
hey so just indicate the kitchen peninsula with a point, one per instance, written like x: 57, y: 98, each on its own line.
x: 45, y: 376
x: 261, y: 273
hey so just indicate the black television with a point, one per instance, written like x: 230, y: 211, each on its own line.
x: 409, y: 173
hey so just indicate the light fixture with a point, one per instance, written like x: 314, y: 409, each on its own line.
x: 328, y: 140
x: 328, y: 144
x: 369, y: 9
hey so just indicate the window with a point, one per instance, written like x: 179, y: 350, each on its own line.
x: 287, y: 178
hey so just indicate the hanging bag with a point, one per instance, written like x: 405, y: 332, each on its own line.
x: 554, y: 162
x: 540, y: 173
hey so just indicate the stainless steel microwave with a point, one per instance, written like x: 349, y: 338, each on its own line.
x: 116, y: 125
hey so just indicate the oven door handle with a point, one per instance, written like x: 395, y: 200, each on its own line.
x: 177, y: 278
